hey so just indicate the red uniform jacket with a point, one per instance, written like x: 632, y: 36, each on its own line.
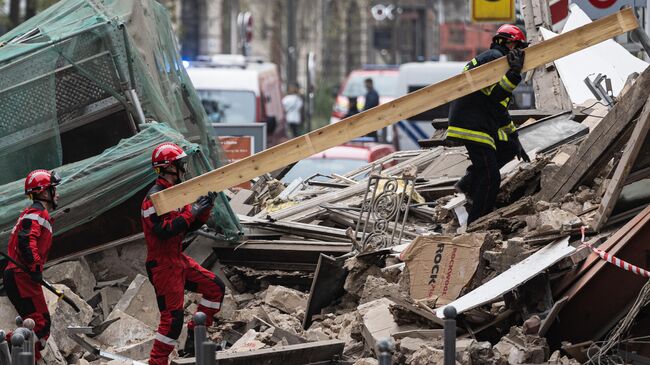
x: 31, y: 238
x: 164, y: 234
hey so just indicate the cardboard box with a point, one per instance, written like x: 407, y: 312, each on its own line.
x: 441, y: 266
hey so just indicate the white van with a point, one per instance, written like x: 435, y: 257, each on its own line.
x: 234, y: 89
x: 414, y: 76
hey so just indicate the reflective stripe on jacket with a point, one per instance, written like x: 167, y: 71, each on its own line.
x: 482, y: 116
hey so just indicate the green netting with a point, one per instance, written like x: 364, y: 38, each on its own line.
x: 78, y: 64
x: 93, y: 186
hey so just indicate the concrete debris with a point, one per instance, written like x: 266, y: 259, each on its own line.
x: 520, y: 348
x: 287, y: 300
x: 139, y: 301
x: 76, y: 275
x: 228, y: 308
x: 110, y: 295
x: 366, y: 361
x: 426, y: 355
x: 51, y: 354
x: 248, y: 342
x: 127, y: 331
x: 377, y: 288
x: 553, y: 219
x: 8, y: 314
x: 64, y: 316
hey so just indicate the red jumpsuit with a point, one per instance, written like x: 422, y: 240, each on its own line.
x: 171, y: 272
x: 29, y: 244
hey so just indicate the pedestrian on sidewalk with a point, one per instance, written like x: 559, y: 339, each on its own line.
x: 169, y: 269
x: 29, y: 245
x: 292, y: 104
x: 482, y: 123
x: 371, y: 101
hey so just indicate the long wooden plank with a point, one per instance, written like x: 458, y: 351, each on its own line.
x: 304, y: 353
x: 598, y: 141
x: 634, y: 144
x: 389, y: 113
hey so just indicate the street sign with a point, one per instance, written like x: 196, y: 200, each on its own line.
x: 597, y: 9
x: 484, y: 11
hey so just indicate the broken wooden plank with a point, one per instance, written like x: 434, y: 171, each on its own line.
x: 309, y: 209
x: 305, y: 353
x: 389, y: 113
x: 597, y: 142
x: 634, y: 144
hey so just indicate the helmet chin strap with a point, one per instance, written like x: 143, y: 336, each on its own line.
x: 51, y: 201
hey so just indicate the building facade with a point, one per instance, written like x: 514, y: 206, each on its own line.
x: 343, y: 35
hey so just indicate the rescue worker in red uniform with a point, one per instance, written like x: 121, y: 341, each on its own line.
x: 169, y: 269
x: 29, y: 244
x: 482, y: 123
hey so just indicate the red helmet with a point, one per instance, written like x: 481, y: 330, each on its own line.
x: 39, y: 180
x: 511, y: 33
x: 166, y: 154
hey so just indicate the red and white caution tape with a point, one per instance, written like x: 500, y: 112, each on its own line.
x: 613, y: 259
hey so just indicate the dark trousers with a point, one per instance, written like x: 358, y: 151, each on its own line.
x: 482, y: 178
x: 295, y: 129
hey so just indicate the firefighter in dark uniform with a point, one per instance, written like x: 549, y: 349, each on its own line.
x: 482, y: 123
x: 169, y: 269
x: 29, y: 244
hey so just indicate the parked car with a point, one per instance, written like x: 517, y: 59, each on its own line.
x: 234, y: 89
x: 339, y: 160
x: 384, y: 79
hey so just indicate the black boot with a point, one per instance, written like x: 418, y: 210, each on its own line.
x: 188, y: 349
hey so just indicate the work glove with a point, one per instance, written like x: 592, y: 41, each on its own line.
x: 516, y: 60
x: 521, y: 153
x: 202, y: 203
x: 213, y: 196
x: 37, y: 276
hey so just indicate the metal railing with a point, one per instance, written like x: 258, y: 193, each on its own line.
x: 23, y: 344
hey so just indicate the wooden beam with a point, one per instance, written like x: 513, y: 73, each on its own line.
x: 598, y: 141
x: 304, y: 353
x: 634, y: 144
x: 386, y: 114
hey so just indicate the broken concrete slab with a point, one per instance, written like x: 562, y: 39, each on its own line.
x: 136, y: 351
x: 117, y: 262
x: 378, y: 322
x: 408, y: 346
x: 377, y: 288
x: 228, y: 308
x: 51, y: 354
x: 248, y: 342
x: 366, y: 361
x: 127, y: 331
x: 8, y: 314
x: 110, y: 295
x: 519, y: 348
x: 76, y: 275
x: 426, y: 355
x: 64, y: 316
x: 288, y: 300
x: 139, y: 301
x: 553, y: 219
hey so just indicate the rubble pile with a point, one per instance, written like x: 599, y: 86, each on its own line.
x: 332, y: 268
